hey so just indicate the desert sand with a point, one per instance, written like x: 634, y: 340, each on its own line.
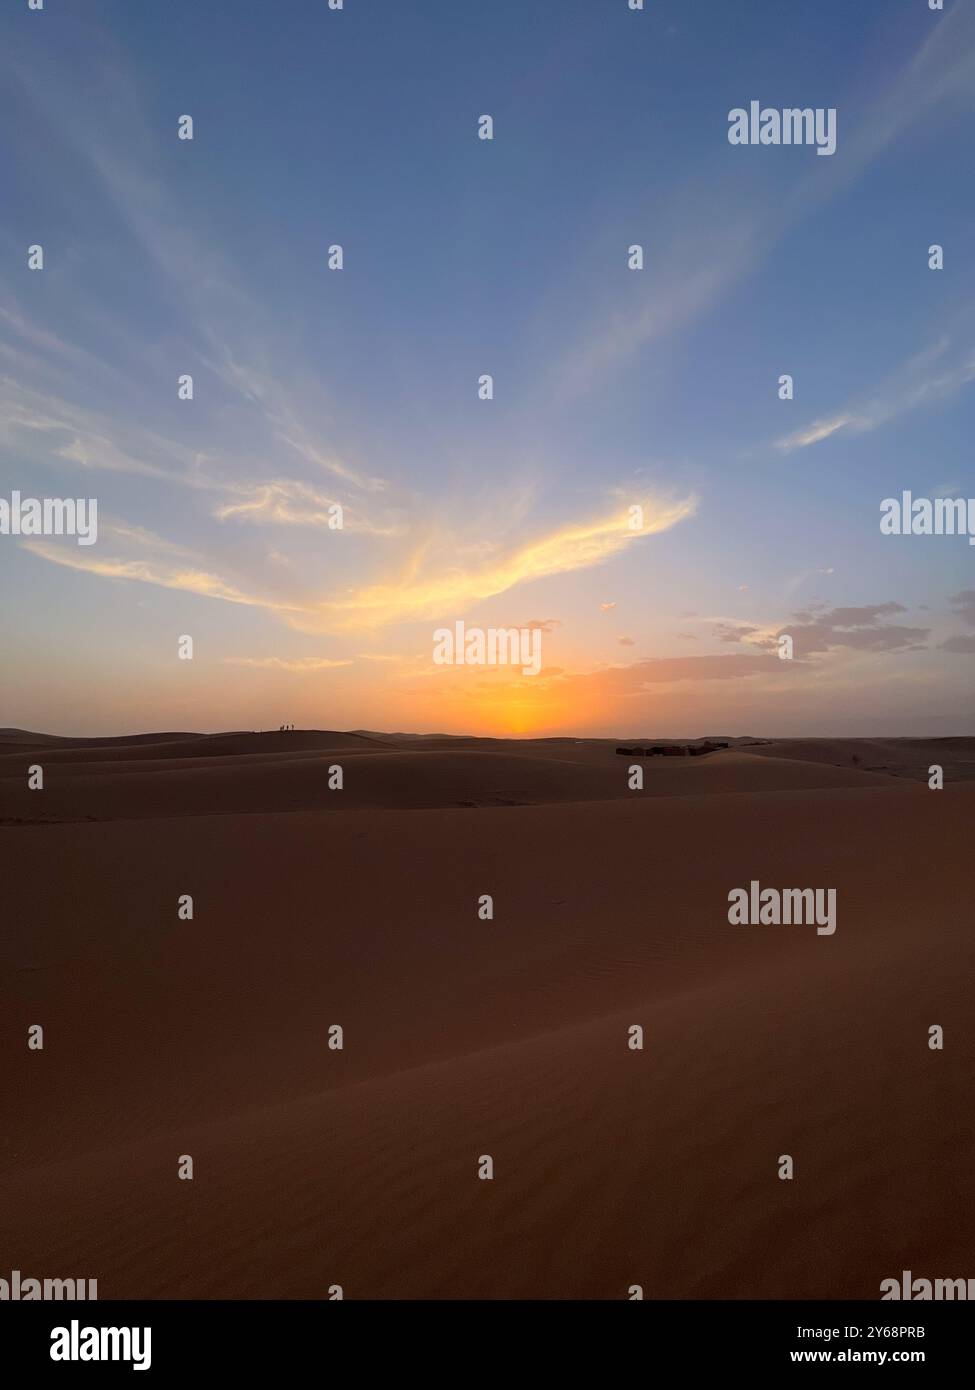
x: 463, y: 1037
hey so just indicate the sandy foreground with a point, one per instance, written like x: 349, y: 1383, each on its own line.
x: 463, y: 1037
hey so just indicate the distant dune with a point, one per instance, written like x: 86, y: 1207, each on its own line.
x: 899, y: 757
x: 464, y: 1037
x: 224, y: 774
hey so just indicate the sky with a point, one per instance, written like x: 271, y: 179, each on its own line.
x: 612, y: 387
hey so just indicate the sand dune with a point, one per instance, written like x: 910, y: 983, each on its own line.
x: 188, y: 746
x: 17, y: 739
x: 898, y: 757
x: 463, y: 1037
x: 141, y: 784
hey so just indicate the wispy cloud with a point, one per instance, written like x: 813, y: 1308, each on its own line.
x: 191, y: 581
x: 197, y: 278
x: 904, y: 390
x: 722, y: 234
x: 257, y: 384
x: 290, y: 502
x: 297, y: 665
x: 814, y: 433
x: 668, y: 670
x: 140, y: 536
x: 84, y: 437
x: 579, y: 545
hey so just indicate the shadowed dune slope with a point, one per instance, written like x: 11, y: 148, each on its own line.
x: 463, y: 1037
x: 155, y: 746
x: 900, y: 757
x: 289, y: 779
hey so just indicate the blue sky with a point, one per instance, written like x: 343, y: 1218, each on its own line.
x: 462, y: 256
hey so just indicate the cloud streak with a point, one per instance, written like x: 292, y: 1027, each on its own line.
x: 290, y: 502
x: 902, y: 392
x: 297, y: 665
x: 576, y: 546
x: 695, y: 271
x: 191, y: 581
